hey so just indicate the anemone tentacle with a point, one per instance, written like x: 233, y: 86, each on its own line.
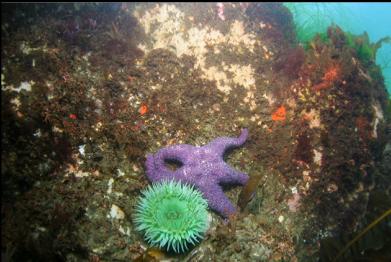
x: 172, y: 215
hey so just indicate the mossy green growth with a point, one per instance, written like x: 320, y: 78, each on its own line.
x: 314, y: 18
x: 320, y: 38
x: 388, y: 110
x: 366, y: 51
x: 172, y: 215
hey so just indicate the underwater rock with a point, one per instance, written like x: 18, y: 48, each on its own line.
x: 111, y: 83
x: 259, y: 252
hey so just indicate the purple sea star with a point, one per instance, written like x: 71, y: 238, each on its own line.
x: 201, y: 166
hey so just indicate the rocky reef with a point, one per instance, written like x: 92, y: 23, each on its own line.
x: 89, y: 90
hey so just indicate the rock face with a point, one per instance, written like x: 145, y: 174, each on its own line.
x: 122, y: 81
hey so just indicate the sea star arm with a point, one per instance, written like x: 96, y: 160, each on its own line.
x: 203, y: 167
x: 156, y: 164
x: 232, y: 176
x: 221, y: 144
x: 218, y: 201
x: 179, y: 153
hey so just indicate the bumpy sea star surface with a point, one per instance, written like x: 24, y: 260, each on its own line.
x: 201, y: 166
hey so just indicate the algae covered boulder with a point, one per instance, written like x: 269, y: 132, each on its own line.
x: 90, y: 90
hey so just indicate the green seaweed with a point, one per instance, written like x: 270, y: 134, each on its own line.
x: 362, y: 233
x: 368, y: 244
x: 388, y: 109
x: 313, y: 18
x: 366, y: 51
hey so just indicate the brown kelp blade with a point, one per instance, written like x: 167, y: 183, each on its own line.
x: 248, y: 191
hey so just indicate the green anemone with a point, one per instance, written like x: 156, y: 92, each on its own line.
x: 172, y: 215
